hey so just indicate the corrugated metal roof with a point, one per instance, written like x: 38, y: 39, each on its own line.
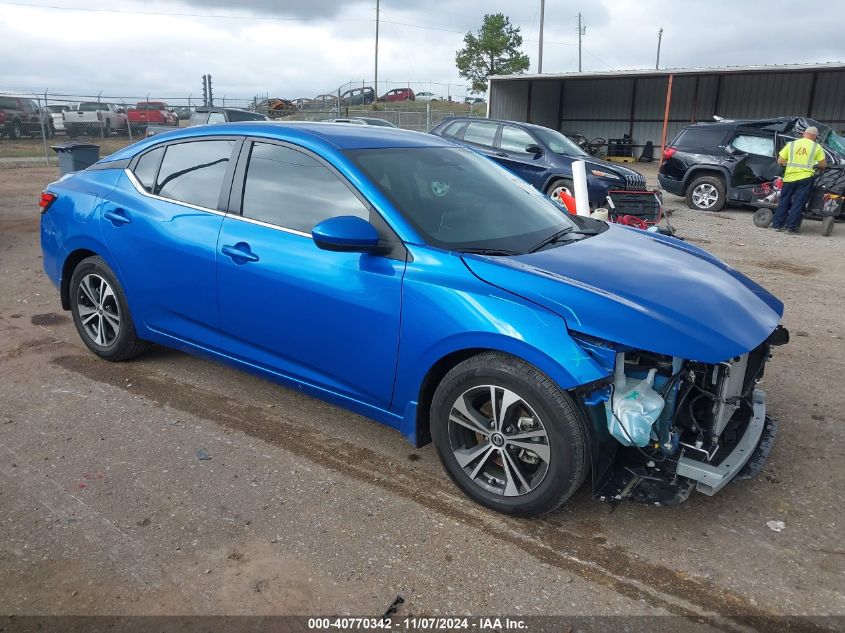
x: 663, y: 72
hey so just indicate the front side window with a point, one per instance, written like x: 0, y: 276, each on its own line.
x: 758, y: 145
x: 193, y: 172
x: 459, y: 200
x: 292, y: 190
x: 481, y: 133
x: 515, y: 139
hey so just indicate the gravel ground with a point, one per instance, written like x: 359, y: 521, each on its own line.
x: 305, y: 508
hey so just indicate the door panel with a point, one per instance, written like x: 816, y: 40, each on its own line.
x: 327, y: 318
x: 755, y: 160
x: 330, y: 319
x: 166, y: 255
x: 512, y: 155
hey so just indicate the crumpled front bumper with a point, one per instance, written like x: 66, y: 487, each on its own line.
x: 755, y: 442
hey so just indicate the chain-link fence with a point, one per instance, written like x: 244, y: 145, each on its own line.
x: 32, y: 122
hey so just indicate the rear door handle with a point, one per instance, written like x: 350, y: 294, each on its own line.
x: 240, y: 253
x: 117, y: 216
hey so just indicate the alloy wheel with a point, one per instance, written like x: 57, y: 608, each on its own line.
x: 498, y: 440
x: 98, y: 309
x: 705, y: 196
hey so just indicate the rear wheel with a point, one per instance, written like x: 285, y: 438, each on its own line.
x: 706, y: 193
x: 763, y: 218
x: 508, y: 436
x: 100, y: 312
x: 827, y: 225
x: 15, y: 131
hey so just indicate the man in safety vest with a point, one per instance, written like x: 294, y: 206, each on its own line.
x: 800, y: 157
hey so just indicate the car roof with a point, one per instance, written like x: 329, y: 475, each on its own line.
x: 329, y: 135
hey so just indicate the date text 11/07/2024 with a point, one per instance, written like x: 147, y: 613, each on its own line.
x: 418, y: 624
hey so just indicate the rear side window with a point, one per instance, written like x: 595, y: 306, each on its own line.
x: 292, y: 190
x: 480, y: 133
x: 145, y: 170
x: 216, y: 117
x: 703, y: 137
x: 758, y: 145
x: 194, y: 172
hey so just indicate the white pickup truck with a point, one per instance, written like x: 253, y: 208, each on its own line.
x: 90, y: 117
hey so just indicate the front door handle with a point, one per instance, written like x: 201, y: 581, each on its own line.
x: 240, y: 253
x: 117, y: 216
x: 501, y: 154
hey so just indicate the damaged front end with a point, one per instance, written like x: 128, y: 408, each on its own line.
x: 662, y: 426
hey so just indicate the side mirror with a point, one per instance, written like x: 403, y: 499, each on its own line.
x: 534, y: 149
x: 346, y: 234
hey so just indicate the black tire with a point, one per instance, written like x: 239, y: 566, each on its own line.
x: 15, y: 131
x: 827, y: 225
x: 763, y: 218
x: 710, y: 188
x: 556, y: 184
x: 125, y: 344
x: 107, y: 130
x: 565, y: 438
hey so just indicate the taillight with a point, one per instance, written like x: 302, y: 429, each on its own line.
x: 669, y: 152
x: 46, y: 200
x: 2, y: 117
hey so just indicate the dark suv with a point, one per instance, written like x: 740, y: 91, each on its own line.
x: 714, y: 163
x: 539, y: 155
x: 22, y: 117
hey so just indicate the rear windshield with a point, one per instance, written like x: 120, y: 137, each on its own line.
x: 700, y: 137
x: 152, y: 105
x: 57, y: 108
x: 91, y: 106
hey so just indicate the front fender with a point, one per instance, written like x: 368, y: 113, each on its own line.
x: 447, y: 310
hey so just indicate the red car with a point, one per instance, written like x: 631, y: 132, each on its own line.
x: 151, y: 113
x: 398, y: 94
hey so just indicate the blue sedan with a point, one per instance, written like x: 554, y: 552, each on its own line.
x: 415, y: 282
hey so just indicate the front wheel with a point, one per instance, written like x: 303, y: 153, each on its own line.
x: 101, y: 313
x: 508, y: 436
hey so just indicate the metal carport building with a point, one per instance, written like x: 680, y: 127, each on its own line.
x: 634, y: 102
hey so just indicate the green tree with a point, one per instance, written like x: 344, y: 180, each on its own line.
x: 494, y: 50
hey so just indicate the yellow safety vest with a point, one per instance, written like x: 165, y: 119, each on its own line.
x: 800, y: 159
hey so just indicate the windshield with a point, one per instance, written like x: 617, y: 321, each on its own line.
x: 557, y: 142
x: 459, y: 200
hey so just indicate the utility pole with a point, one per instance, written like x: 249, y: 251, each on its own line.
x: 540, y: 53
x: 659, y: 40
x: 581, y: 31
x: 377, y: 21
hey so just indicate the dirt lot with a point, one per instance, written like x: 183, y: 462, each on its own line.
x: 305, y: 508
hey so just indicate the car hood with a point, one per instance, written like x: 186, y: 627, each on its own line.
x: 642, y: 290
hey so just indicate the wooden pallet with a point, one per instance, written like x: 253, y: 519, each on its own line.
x: 621, y: 159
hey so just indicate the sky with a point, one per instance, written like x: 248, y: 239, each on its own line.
x: 301, y: 48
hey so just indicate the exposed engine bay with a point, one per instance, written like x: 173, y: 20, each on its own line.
x: 680, y: 424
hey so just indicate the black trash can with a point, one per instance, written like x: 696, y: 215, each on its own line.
x: 76, y: 156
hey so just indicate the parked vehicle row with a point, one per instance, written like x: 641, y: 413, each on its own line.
x: 22, y: 117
